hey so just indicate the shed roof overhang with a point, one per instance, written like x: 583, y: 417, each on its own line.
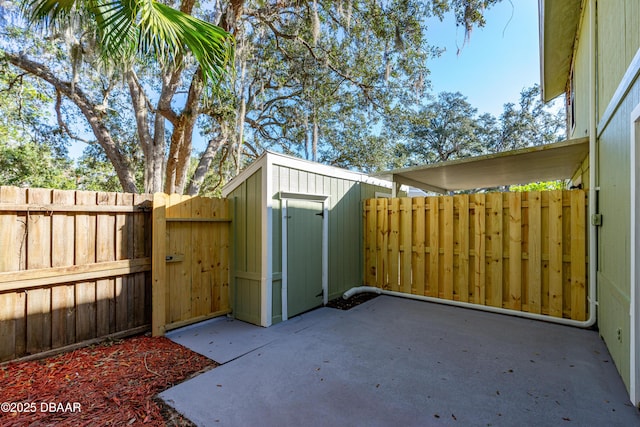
x: 558, y: 21
x: 533, y: 164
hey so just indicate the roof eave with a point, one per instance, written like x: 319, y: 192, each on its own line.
x: 531, y: 164
x: 558, y: 27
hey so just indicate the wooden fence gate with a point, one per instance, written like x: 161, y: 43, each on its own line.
x: 190, y: 260
x: 79, y: 266
x: 521, y: 251
x: 74, y: 266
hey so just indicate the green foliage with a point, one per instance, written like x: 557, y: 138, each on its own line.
x: 319, y: 80
x: 443, y: 130
x: 539, y: 186
x: 450, y: 128
x: 30, y: 164
x: 32, y: 152
x: 527, y: 124
x: 96, y: 173
x: 140, y: 27
x: 324, y: 77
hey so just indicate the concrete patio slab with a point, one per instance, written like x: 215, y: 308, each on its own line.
x: 394, y: 361
x: 223, y: 339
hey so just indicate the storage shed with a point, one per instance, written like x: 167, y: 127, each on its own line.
x: 297, y: 235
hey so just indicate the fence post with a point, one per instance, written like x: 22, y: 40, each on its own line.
x: 578, y: 252
x: 158, y: 266
x: 515, y: 251
x: 479, y: 280
x: 447, y: 228
x: 520, y: 251
x: 494, y: 219
x: 461, y: 202
x: 405, y: 244
x: 555, y: 253
x: 535, y: 253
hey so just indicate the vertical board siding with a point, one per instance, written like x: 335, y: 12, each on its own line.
x: 344, y: 203
x: 54, y: 290
x: 521, y: 251
x: 247, y: 246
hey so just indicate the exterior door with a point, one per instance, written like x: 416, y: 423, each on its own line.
x: 304, y: 256
x: 614, y: 245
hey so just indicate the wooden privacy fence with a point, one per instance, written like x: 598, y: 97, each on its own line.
x: 74, y: 266
x: 521, y: 251
x: 190, y: 260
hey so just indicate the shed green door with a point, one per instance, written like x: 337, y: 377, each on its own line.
x: 304, y: 256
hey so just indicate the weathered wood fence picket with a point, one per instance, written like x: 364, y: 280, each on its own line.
x: 74, y: 266
x: 521, y: 251
x: 78, y: 266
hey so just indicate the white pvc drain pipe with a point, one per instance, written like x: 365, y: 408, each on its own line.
x: 569, y: 322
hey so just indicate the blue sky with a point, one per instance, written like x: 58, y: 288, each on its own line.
x: 498, y: 61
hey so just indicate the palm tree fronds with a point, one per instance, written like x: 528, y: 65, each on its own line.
x: 145, y: 27
x: 169, y: 31
x: 117, y: 29
x: 49, y: 11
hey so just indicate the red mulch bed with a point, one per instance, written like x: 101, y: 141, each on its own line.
x: 111, y: 384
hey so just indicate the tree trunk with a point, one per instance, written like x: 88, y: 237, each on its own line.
x: 156, y: 165
x: 240, y: 120
x: 141, y: 111
x: 182, y: 138
x: 314, y: 145
x: 205, y: 164
x: 93, y: 115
